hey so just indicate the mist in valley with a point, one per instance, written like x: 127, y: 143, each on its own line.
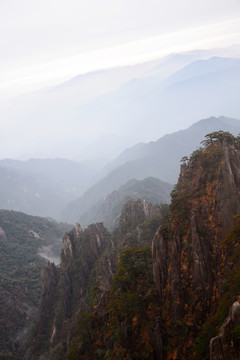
x: 77, y: 142
x: 101, y: 106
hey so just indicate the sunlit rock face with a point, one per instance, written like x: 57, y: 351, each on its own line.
x: 190, y: 259
x: 190, y: 262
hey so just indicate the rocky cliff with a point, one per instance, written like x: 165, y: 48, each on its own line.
x: 89, y: 261
x: 64, y: 288
x: 120, y: 299
x: 226, y: 346
x: 190, y: 259
x: 108, y: 209
x: 125, y: 301
x: 137, y: 211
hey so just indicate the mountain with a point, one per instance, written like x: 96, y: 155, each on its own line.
x: 158, y: 159
x: 124, y: 299
x: 111, y: 104
x: 20, y: 191
x: 108, y: 209
x: 170, y: 103
x: 66, y: 176
x: 191, y: 252
x: 227, y: 343
x: 25, y: 244
x: 202, y: 67
x: 174, y: 146
x: 42, y: 186
x: 89, y: 260
x: 59, y: 105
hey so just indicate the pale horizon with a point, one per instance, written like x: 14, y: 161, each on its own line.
x: 126, y: 48
x: 50, y: 42
x: 49, y: 73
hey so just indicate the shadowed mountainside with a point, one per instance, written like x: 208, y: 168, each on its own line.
x: 108, y: 209
x: 42, y: 186
x: 158, y: 159
x: 23, y: 239
x: 159, y: 305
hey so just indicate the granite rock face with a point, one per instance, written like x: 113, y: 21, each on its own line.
x: 2, y: 233
x: 64, y: 287
x: 226, y: 346
x: 135, y: 211
x: 191, y: 260
x: 89, y: 259
x: 49, y: 280
x: 189, y: 256
x: 228, y: 188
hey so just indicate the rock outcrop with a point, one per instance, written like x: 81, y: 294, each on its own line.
x: 136, y: 211
x: 108, y: 209
x: 64, y: 288
x: 89, y: 261
x: 158, y: 316
x: 226, y: 346
x: 2, y: 234
x: 49, y: 280
x: 190, y: 259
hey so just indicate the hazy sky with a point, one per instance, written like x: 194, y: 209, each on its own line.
x: 44, y: 42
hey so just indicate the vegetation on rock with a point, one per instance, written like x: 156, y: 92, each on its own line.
x: 21, y: 238
x: 112, y: 298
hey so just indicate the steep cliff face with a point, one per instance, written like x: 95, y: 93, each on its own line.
x: 45, y: 326
x: 90, y: 259
x: 64, y: 288
x: 190, y: 259
x: 109, y: 304
x: 126, y: 304
x: 108, y: 209
x: 138, y: 223
x: 226, y: 346
x: 137, y: 211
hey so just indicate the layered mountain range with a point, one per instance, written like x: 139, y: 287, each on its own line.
x: 114, y: 298
x: 104, y: 112
x: 152, y: 272
x: 72, y: 191
x: 42, y: 187
x: 213, y: 82
x: 108, y: 209
x: 158, y: 159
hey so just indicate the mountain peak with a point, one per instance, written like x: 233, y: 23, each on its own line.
x: 189, y: 253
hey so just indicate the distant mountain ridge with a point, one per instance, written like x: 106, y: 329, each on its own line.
x: 108, y: 209
x: 187, y: 139
x: 158, y: 159
x: 168, y: 93
x: 42, y: 186
x: 203, y: 67
x: 171, y: 103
